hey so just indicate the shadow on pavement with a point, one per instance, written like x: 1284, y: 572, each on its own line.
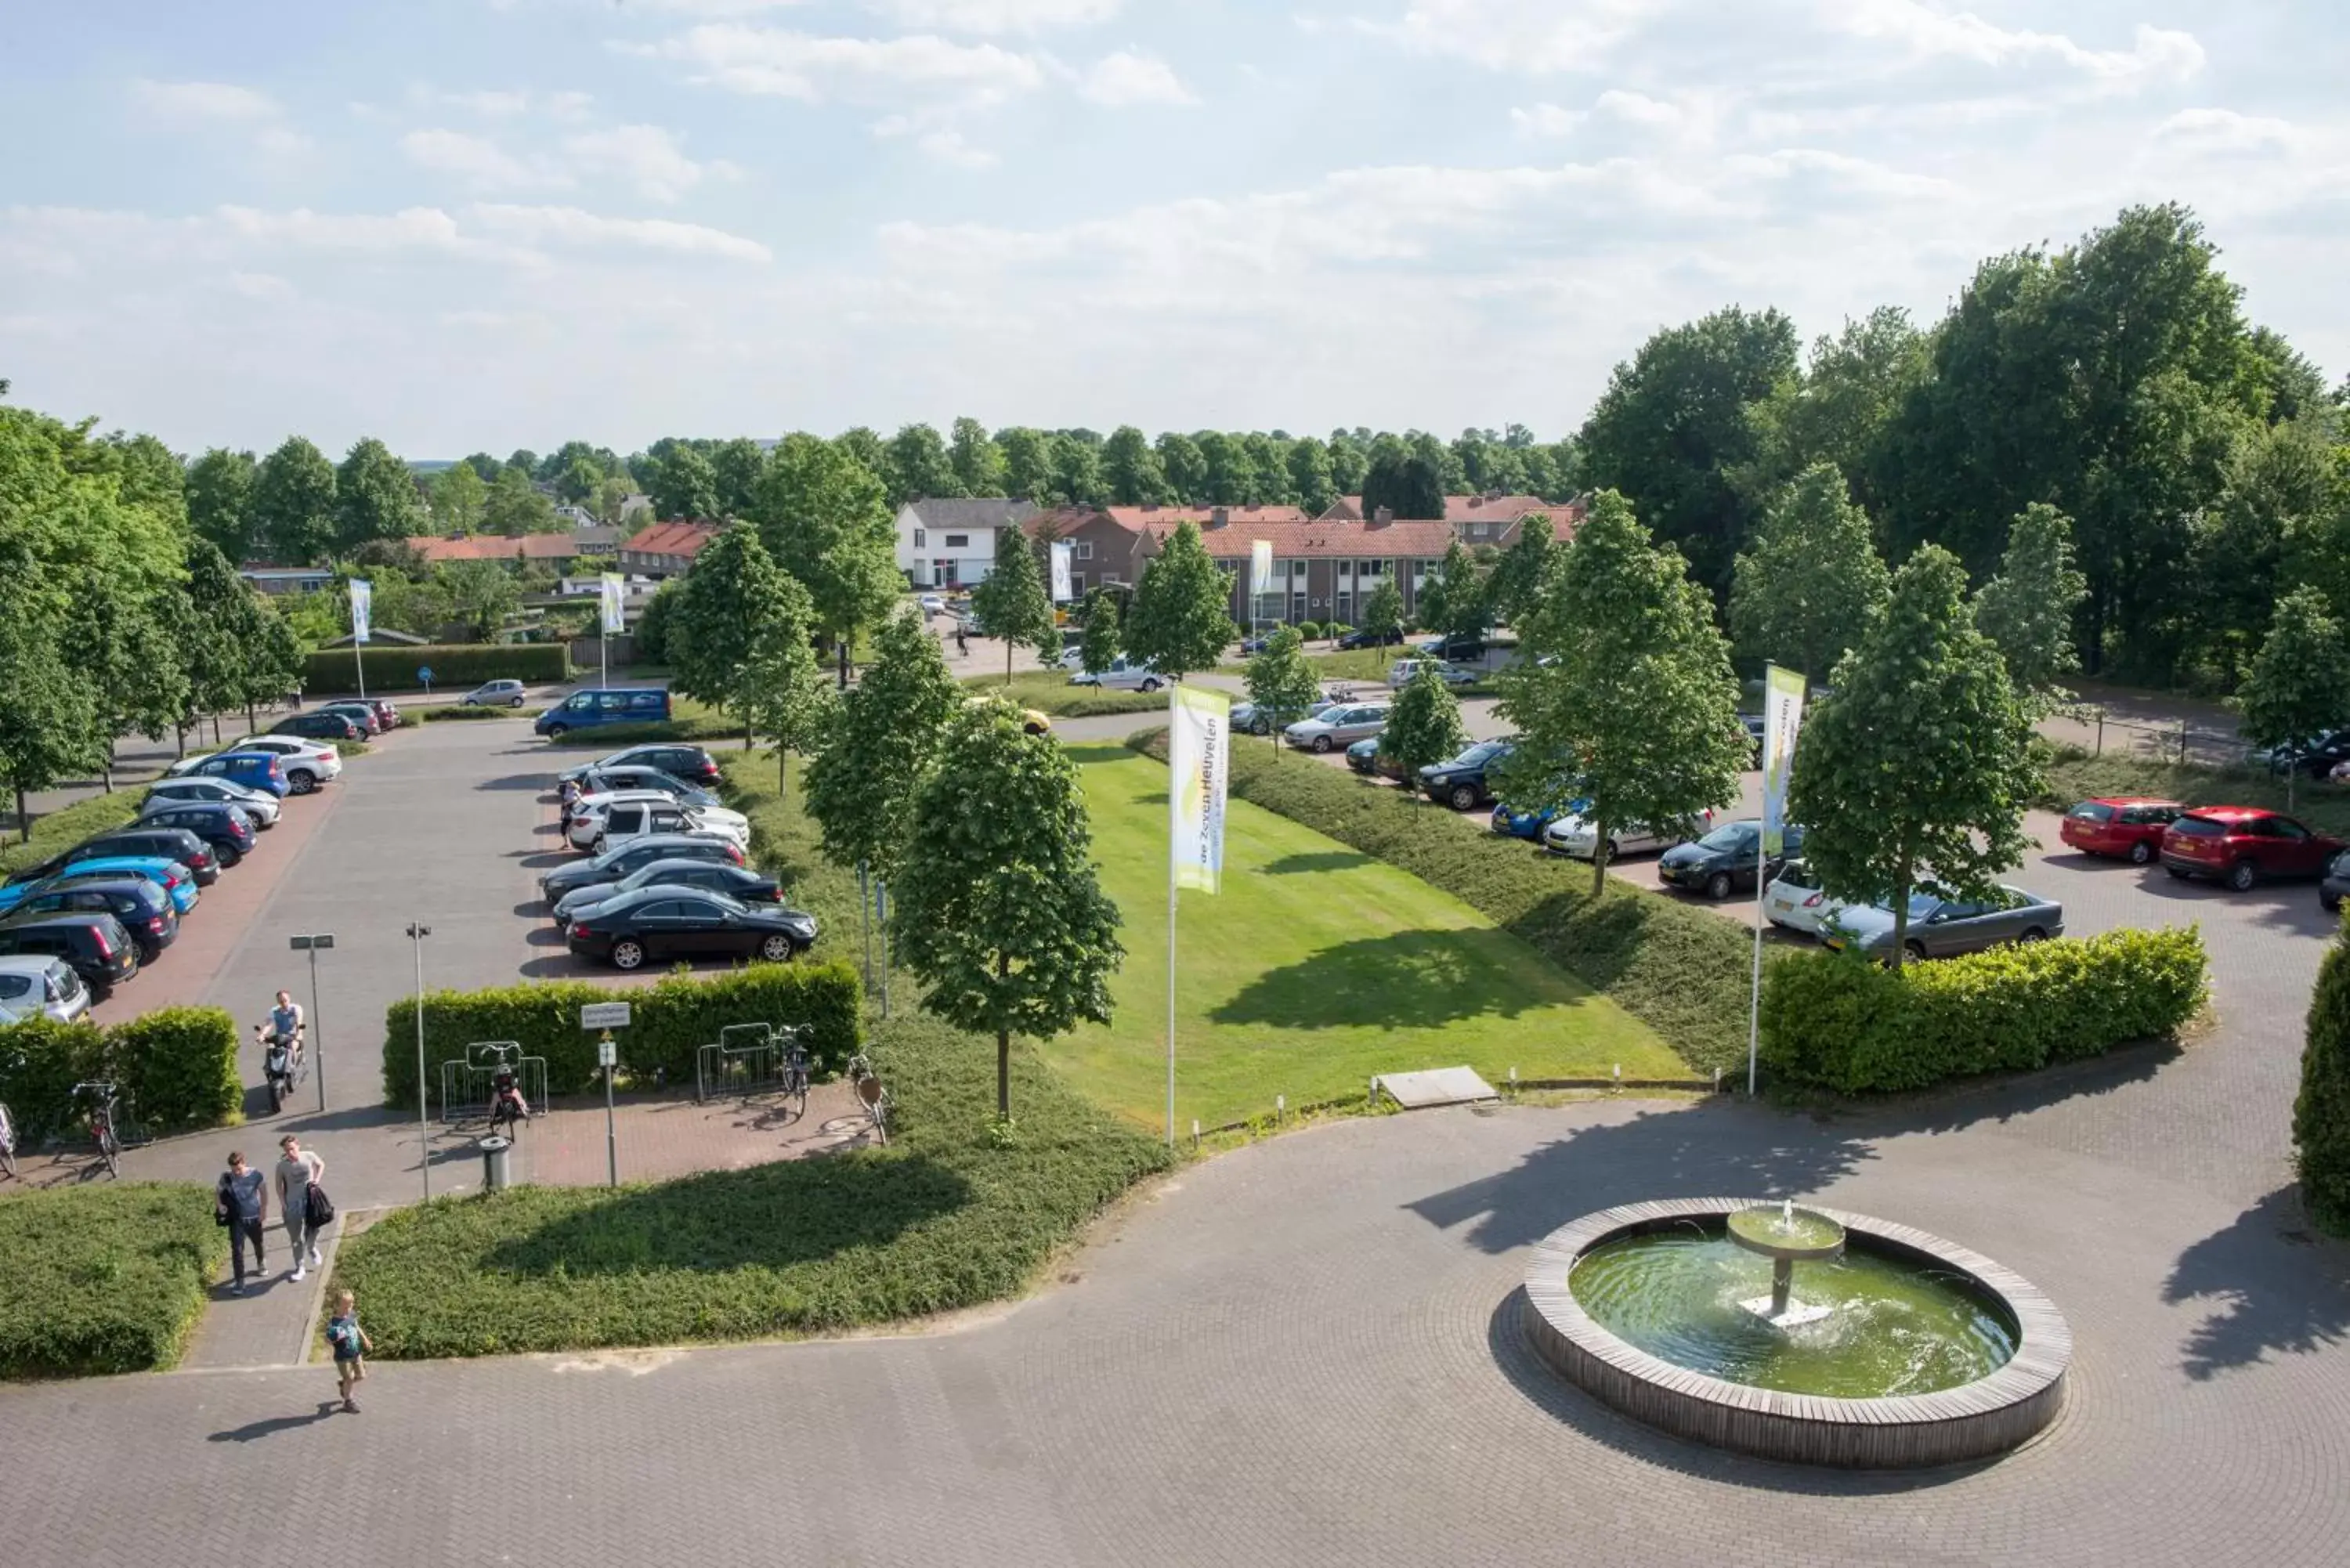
x: 1411, y: 980
x: 536, y: 784
x: 252, y: 1430
x: 2278, y: 1289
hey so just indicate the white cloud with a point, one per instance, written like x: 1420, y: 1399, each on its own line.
x: 1530, y: 35
x: 1691, y: 117
x: 1127, y: 78
x: 2156, y: 55
x: 571, y: 225
x: 2223, y: 130
x: 217, y: 101
x: 1841, y: 172
x: 868, y: 71
x: 409, y: 229
x: 1547, y: 120
x: 995, y: 16
x: 646, y: 157
x: 949, y: 147
x: 476, y: 160
x: 263, y: 286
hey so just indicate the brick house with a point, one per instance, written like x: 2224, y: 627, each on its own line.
x: 1484, y: 519
x: 665, y: 549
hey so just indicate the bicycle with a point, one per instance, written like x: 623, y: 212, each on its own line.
x: 8, y: 1140
x: 795, y: 1069
x: 873, y: 1094
x: 100, y: 1114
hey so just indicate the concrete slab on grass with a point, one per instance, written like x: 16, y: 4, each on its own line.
x: 1436, y: 1087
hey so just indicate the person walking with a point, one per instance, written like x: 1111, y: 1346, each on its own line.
x: 297, y: 1170
x: 243, y: 1203
x: 350, y: 1344
x: 963, y: 643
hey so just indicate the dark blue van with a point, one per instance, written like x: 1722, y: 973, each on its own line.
x: 596, y: 707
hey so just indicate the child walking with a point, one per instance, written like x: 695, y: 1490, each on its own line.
x: 351, y: 1343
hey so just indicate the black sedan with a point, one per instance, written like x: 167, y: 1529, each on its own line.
x: 1723, y: 861
x: 2335, y: 885
x: 1372, y: 640
x: 225, y: 828
x: 319, y: 726
x: 1463, y: 782
x: 658, y: 922
x: 737, y: 882
x: 144, y: 908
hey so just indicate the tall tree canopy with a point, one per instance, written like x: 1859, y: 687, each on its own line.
x: 292, y: 507
x: 918, y: 467
x: 1407, y: 487
x: 1182, y: 608
x: 1813, y: 582
x: 375, y: 496
x: 220, y: 500
x: 2027, y: 609
x: 825, y: 520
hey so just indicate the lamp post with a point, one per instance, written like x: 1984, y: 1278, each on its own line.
x: 417, y: 934
x: 312, y: 944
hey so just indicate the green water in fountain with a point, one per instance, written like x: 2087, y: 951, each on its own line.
x: 1896, y: 1327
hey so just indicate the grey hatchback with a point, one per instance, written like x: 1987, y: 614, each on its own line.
x: 1943, y: 927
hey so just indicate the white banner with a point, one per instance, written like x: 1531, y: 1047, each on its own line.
x: 1198, y: 756
x: 1260, y: 568
x: 1782, y: 714
x: 362, y: 605
x: 1062, y: 549
x: 614, y: 593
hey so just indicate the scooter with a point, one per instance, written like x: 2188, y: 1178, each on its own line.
x: 281, y: 1065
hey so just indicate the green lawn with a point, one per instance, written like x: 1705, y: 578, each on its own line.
x: 1315, y: 968
x: 1049, y: 691
x: 104, y: 1278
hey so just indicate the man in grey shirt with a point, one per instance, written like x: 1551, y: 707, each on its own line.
x: 243, y: 1196
x: 296, y: 1170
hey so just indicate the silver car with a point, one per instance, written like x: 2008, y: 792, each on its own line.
x: 1402, y: 671
x: 1577, y: 836
x: 36, y: 985
x: 495, y: 694
x: 258, y: 804
x: 1121, y: 676
x: 1795, y: 901
x: 1944, y: 928
x: 1337, y: 727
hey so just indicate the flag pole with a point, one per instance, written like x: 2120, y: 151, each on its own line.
x: 1174, y: 797
x: 1754, y: 1003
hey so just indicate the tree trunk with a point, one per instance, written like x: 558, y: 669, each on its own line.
x: 106, y: 777
x: 783, y: 773
x: 1900, y: 953
x: 865, y: 918
x: 252, y: 720
x: 180, y: 739
x: 1007, y: 662
x: 1003, y: 1075
x: 24, y: 818
x: 1598, y: 858
x: 884, y: 922
x: 844, y: 659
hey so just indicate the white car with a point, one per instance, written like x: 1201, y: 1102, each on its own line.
x: 258, y: 804
x: 1400, y: 673
x: 599, y: 822
x: 1337, y: 726
x: 1072, y: 659
x: 1794, y: 900
x: 1122, y: 676
x: 1574, y: 835
x: 36, y: 985
x: 308, y: 763
x: 933, y: 604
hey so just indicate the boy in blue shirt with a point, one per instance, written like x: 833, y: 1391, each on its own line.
x: 351, y: 1343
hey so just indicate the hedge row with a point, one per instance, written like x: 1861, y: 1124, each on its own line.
x: 671, y: 1020
x: 104, y: 1278
x: 330, y: 671
x: 1853, y: 1026
x: 1684, y: 973
x: 64, y: 828
x: 176, y: 1068
x: 439, y: 713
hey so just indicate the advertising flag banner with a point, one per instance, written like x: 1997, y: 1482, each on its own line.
x: 362, y: 606
x: 614, y: 593
x: 1782, y: 713
x: 1199, y: 757
x: 1061, y: 594
x: 1260, y: 568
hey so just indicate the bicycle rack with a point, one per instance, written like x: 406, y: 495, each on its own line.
x: 466, y: 1084
x: 745, y: 1059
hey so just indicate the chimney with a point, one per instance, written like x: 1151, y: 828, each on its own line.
x: 1219, y: 516
x: 1382, y: 517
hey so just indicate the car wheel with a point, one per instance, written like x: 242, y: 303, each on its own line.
x: 228, y: 855
x: 777, y: 949
x: 2329, y: 903
x: 1717, y: 886
x: 2242, y: 876
x: 598, y: 847
x: 2176, y: 874
x: 516, y: 703
x: 302, y: 781
x: 557, y: 732
x: 2034, y: 934
x: 627, y: 955
x: 1322, y: 742
x: 2141, y: 852
x: 1464, y: 798
x: 1149, y: 687
x: 1917, y: 951
x: 1611, y: 850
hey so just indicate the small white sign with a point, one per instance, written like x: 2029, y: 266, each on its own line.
x: 607, y: 1054
x: 604, y: 1015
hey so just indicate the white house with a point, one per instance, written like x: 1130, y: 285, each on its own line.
x: 951, y: 544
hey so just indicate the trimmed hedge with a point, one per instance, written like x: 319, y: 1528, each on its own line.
x: 1853, y: 1026
x: 330, y: 673
x: 69, y: 825
x: 176, y: 1068
x: 2321, y: 1111
x: 104, y: 1278
x: 437, y: 713
x: 672, y: 1019
x: 1682, y: 971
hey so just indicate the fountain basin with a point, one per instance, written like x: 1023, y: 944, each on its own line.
x: 2024, y: 1345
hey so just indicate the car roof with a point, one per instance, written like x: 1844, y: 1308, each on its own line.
x: 2233, y: 812
x: 2124, y: 800
x: 29, y: 963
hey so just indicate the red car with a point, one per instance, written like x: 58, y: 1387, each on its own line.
x: 2239, y: 844
x: 2127, y: 825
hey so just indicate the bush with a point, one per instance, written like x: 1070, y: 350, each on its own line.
x: 436, y: 715
x: 672, y: 1018
x: 176, y: 1068
x: 104, y: 1278
x: 330, y: 673
x: 1309, y: 629
x: 1682, y: 971
x: 40, y: 1062
x: 2320, y: 1111
x: 1848, y: 1024
x: 64, y: 828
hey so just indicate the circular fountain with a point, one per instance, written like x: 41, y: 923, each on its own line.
x: 1798, y: 1333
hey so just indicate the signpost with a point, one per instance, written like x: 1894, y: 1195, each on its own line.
x: 606, y: 1016
x: 424, y: 678
x: 314, y: 945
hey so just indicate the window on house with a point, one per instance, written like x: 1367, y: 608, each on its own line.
x: 1296, y: 569
x: 920, y: 540
x: 1082, y: 550
x: 958, y: 542
x: 1078, y: 584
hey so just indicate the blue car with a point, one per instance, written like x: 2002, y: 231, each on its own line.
x: 254, y: 770
x: 172, y: 877
x: 1529, y: 825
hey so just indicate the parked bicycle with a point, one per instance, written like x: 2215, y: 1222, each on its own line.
x: 7, y: 1141
x: 795, y: 1067
x: 871, y: 1093
x: 96, y: 1103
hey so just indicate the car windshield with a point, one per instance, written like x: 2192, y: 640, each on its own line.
x: 1481, y: 753
x: 1736, y: 835
x: 2199, y: 828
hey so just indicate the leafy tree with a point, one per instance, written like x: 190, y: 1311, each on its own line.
x: 783, y: 689
x: 865, y: 447
x: 579, y: 484
x: 1310, y: 481
x: 1406, y: 486
x: 552, y: 468
x: 523, y: 461
x: 120, y: 640
x: 211, y: 627
x: 1002, y: 914
x: 1186, y: 469
x: 1515, y: 583
x: 375, y: 496
x: 977, y: 462
x: 1917, y: 771
x: 516, y: 506
x: 1268, y: 460
x: 1382, y: 613
x: 919, y: 467
x: 882, y: 745
x: 1182, y: 608
x: 273, y: 659
x: 2027, y: 609
x: 293, y: 504
x: 1673, y: 431
x: 685, y: 487
x: 1839, y: 410
x: 1348, y: 462
x: 220, y: 495
x: 1076, y: 472
x: 1424, y: 727
x: 459, y: 499
x: 482, y: 594
x: 825, y: 520
x: 48, y: 716
x: 1028, y: 465
x: 1454, y: 600
x: 1100, y: 647
x: 1229, y: 475
x: 486, y: 467
x: 1811, y: 583
x: 2296, y: 685
x: 2321, y: 1111
x: 1130, y: 470
x: 653, y: 625
x: 1012, y: 601
x: 611, y: 499
x: 1281, y: 681
x: 1637, y: 699
x: 724, y: 611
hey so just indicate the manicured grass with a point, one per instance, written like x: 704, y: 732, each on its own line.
x: 1315, y: 968
x: 69, y: 825
x: 104, y: 1278
x: 2073, y: 776
x: 1049, y: 691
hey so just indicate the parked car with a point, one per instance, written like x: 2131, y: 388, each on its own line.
x: 1515, y: 824
x: 1575, y: 835
x: 2240, y: 844
x: 176, y: 844
x: 597, y: 707
x: 1463, y: 782
x: 2128, y: 825
x: 261, y: 806
x: 387, y: 713
x: 1366, y: 757
x: 1756, y: 729
x: 1121, y: 676
x: 1402, y: 671
x: 1796, y: 901
x: 692, y: 763
x: 2315, y: 756
x: 1725, y: 860
x: 621, y: 859
x: 174, y: 878
x: 362, y: 714
x: 599, y: 822
x: 1339, y: 725
x: 320, y: 724
x: 306, y: 763
x: 144, y: 908
x: 669, y: 922
x: 495, y: 694
x: 933, y: 604
x: 1371, y: 640
x: 248, y: 768
x: 91, y: 941
x: 34, y: 985
x: 635, y: 776
x: 1451, y: 650
x: 225, y: 827
x: 739, y: 883
x: 2335, y: 884
x: 1943, y: 927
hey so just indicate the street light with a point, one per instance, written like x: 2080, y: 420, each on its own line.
x: 417, y: 934
x: 312, y: 945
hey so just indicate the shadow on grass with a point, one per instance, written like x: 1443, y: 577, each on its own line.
x: 1411, y: 980
x: 770, y: 1216
x: 2274, y: 1289
x: 1322, y: 860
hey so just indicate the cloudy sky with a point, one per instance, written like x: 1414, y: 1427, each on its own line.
x: 470, y: 223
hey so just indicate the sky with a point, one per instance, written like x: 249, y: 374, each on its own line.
x: 467, y: 224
